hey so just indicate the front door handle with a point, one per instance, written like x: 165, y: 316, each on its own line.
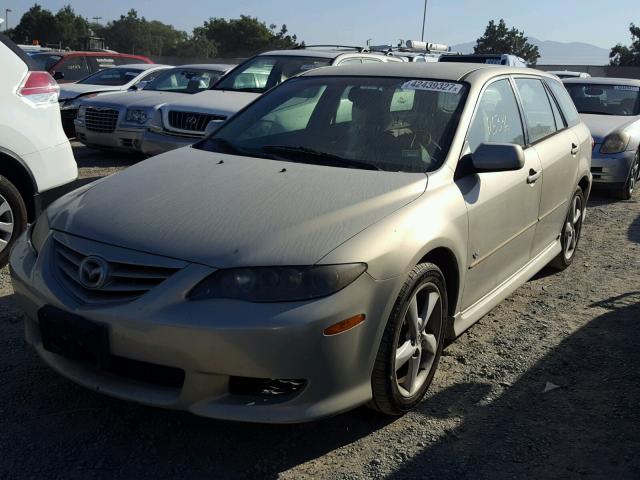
x: 533, y: 176
x: 574, y: 149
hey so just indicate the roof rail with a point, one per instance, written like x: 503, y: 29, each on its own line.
x: 345, y: 47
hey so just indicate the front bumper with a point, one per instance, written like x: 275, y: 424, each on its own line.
x: 155, y: 143
x: 215, y: 342
x: 122, y: 139
x: 68, y: 117
x: 611, y: 168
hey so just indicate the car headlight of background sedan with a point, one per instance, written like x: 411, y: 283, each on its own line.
x: 69, y: 104
x: 39, y: 232
x: 615, y: 143
x: 277, y: 284
x: 136, y: 115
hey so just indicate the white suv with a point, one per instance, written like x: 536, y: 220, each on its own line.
x: 36, y: 161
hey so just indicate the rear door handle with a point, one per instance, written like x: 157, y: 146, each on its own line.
x: 533, y: 176
x: 574, y: 149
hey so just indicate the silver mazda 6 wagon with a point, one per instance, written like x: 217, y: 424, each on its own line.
x: 313, y: 253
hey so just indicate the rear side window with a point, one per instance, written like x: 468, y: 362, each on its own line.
x: 564, y: 100
x: 73, y: 68
x: 537, y: 108
x: 497, y: 118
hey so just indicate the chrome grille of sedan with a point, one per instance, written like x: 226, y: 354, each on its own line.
x: 101, y: 120
x: 191, y: 121
x: 94, y: 280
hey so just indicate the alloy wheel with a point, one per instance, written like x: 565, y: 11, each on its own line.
x: 417, y: 344
x: 572, y: 228
x: 6, y: 223
x: 634, y: 176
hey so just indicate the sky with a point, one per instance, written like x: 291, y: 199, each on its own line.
x: 385, y: 21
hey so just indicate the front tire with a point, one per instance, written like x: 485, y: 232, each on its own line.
x: 13, y: 218
x: 412, y: 342
x: 571, y: 231
x: 626, y: 192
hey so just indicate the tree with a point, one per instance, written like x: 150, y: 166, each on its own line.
x: 37, y: 24
x: 500, y: 39
x: 71, y: 29
x: 244, y: 36
x: 621, y: 55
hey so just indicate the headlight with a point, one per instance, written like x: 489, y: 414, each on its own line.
x: 277, y: 284
x: 137, y: 116
x: 81, y: 111
x: 615, y: 143
x: 39, y: 232
x: 69, y: 105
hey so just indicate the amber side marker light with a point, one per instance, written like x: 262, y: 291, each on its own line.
x: 344, y: 325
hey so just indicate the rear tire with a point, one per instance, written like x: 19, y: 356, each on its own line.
x: 571, y: 230
x: 412, y: 342
x: 13, y: 218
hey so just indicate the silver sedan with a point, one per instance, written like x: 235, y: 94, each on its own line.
x: 315, y: 252
x: 610, y: 107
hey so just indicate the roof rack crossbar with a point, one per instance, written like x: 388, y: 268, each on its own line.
x: 351, y: 47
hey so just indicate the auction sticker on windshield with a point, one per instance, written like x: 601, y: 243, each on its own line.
x: 432, y: 86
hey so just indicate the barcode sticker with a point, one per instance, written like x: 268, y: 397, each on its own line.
x: 431, y: 86
x: 628, y: 88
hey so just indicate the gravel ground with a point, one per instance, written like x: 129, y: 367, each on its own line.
x: 487, y: 414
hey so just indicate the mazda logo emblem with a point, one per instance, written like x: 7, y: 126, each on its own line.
x: 192, y: 120
x: 93, y: 273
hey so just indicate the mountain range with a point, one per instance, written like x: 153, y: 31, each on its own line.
x: 558, y: 53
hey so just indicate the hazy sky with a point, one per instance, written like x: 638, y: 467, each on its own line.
x: 340, y: 21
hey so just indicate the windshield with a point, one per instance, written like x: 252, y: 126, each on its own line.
x: 45, y: 61
x: 112, y: 77
x: 392, y: 124
x: 184, y: 80
x: 265, y: 72
x: 605, y: 99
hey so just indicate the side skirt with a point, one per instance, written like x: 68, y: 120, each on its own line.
x: 463, y: 320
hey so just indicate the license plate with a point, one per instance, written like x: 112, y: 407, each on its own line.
x: 74, y: 337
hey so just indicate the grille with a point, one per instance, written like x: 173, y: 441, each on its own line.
x: 103, y: 121
x: 126, y: 282
x: 191, y: 121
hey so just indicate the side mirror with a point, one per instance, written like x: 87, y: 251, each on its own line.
x: 138, y: 86
x: 58, y: 76
x: 497, y: 157
x: 212, y: 127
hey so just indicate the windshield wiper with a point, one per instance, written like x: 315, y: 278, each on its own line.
x: 322, y: 157
x: 597, y: 113
x: 230, y: 148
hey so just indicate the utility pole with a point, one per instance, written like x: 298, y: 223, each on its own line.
x: 96, y: 19
x: 6, y: 18
x: 424, y: 18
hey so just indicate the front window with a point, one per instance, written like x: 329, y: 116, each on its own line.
x: 112, y: 77
x: 265, y: 72
x: 184, y: 80
x: 391, y: 124
x: 600, y: 99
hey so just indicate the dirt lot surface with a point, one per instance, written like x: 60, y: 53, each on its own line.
x: 487, y: 415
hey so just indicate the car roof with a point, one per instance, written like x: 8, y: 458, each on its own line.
x: 604, y: 81
x: 435, y: 70
x: 64, y: 53
x: 209, y: 66
x: 142, y: 66
x: 308, y: 52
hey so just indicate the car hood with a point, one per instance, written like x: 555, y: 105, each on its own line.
x: 140, y: 99
x: 603, y: 125
x: 72, y: 90
x: 219, y: 102
x: 228, y: 211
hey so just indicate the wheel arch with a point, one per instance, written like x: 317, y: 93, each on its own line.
x: 16, y: 171
x: 585, y: 185
x: 447, y: 262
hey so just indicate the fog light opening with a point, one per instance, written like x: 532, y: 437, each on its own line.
x: 344, y: 325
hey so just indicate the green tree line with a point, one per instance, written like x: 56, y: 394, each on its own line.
x: 217, y: 37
